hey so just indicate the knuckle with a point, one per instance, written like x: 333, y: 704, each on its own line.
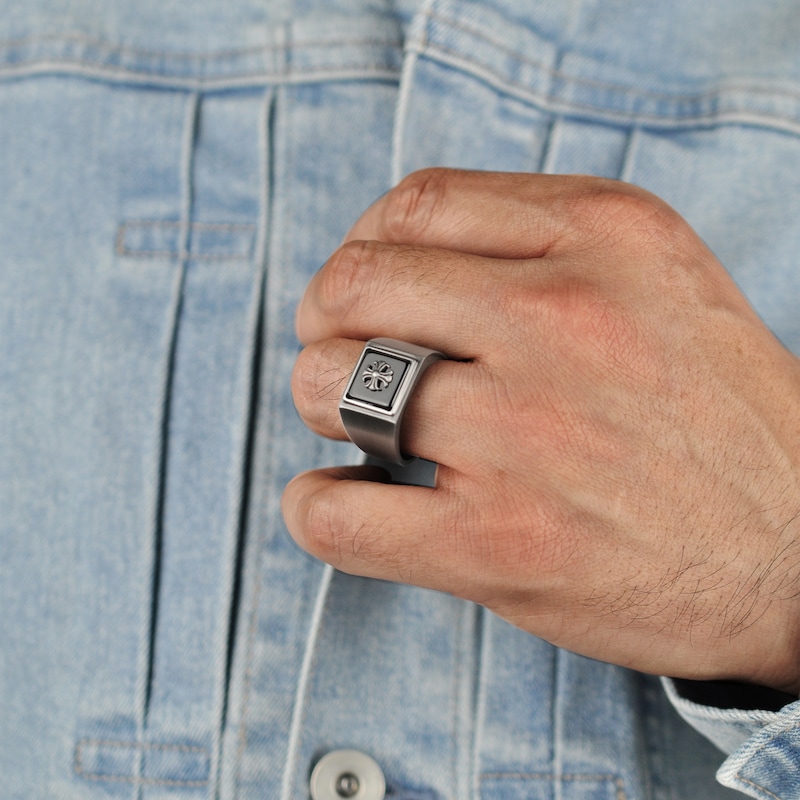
x: 616, y: 212
x: 317, y: 384
x: 303, y: 382
x: 334, y: 535
x: 414, y: 204
x: 345, y: 277
x: 323, y: 521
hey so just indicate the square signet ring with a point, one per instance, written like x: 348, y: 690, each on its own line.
x: 378, y: 392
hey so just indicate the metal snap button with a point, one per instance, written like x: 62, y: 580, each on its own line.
x: 347, y: 775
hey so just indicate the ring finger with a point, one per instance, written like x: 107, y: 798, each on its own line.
x: 438, y: 412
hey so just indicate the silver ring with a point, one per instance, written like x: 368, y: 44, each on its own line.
x: 377, y: 393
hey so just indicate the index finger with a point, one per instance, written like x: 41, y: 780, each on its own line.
x: 495, y: 214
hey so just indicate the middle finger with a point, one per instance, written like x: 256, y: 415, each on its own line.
x: 457, y: 300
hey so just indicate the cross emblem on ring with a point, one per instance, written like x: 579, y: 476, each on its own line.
x: 377, y: 376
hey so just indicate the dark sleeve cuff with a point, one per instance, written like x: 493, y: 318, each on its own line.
x: 759, y: 730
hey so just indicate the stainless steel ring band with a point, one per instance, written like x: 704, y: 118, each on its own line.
x: 377, y: 393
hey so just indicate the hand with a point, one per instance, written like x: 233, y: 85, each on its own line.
x: 618, y: 433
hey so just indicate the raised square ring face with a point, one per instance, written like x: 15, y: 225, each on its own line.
x: 377, y: 378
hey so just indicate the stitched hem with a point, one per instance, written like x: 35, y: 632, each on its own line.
x: 544, y: 82
x: 329, y: 50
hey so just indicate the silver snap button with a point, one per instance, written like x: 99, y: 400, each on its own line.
x: 347, y: 775
x: 347, y: 785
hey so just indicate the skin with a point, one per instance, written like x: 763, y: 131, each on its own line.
x: 617, y: 431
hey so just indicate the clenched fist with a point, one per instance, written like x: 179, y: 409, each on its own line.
x: 618, y: 433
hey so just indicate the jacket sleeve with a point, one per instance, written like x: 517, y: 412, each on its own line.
x: 759, y: 731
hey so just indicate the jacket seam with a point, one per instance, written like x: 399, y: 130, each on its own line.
x: 558, y: 74
x: 549, y: 103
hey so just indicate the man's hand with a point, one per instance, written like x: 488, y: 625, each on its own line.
x: 618, y: 433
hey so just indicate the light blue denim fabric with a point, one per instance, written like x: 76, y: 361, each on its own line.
x: 171, y: 175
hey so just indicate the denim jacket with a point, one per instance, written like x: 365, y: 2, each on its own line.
x: 171, y: 175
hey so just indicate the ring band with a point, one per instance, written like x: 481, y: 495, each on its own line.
x: 377, y: 393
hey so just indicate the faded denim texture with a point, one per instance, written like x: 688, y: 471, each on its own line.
x: 171, y: 175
